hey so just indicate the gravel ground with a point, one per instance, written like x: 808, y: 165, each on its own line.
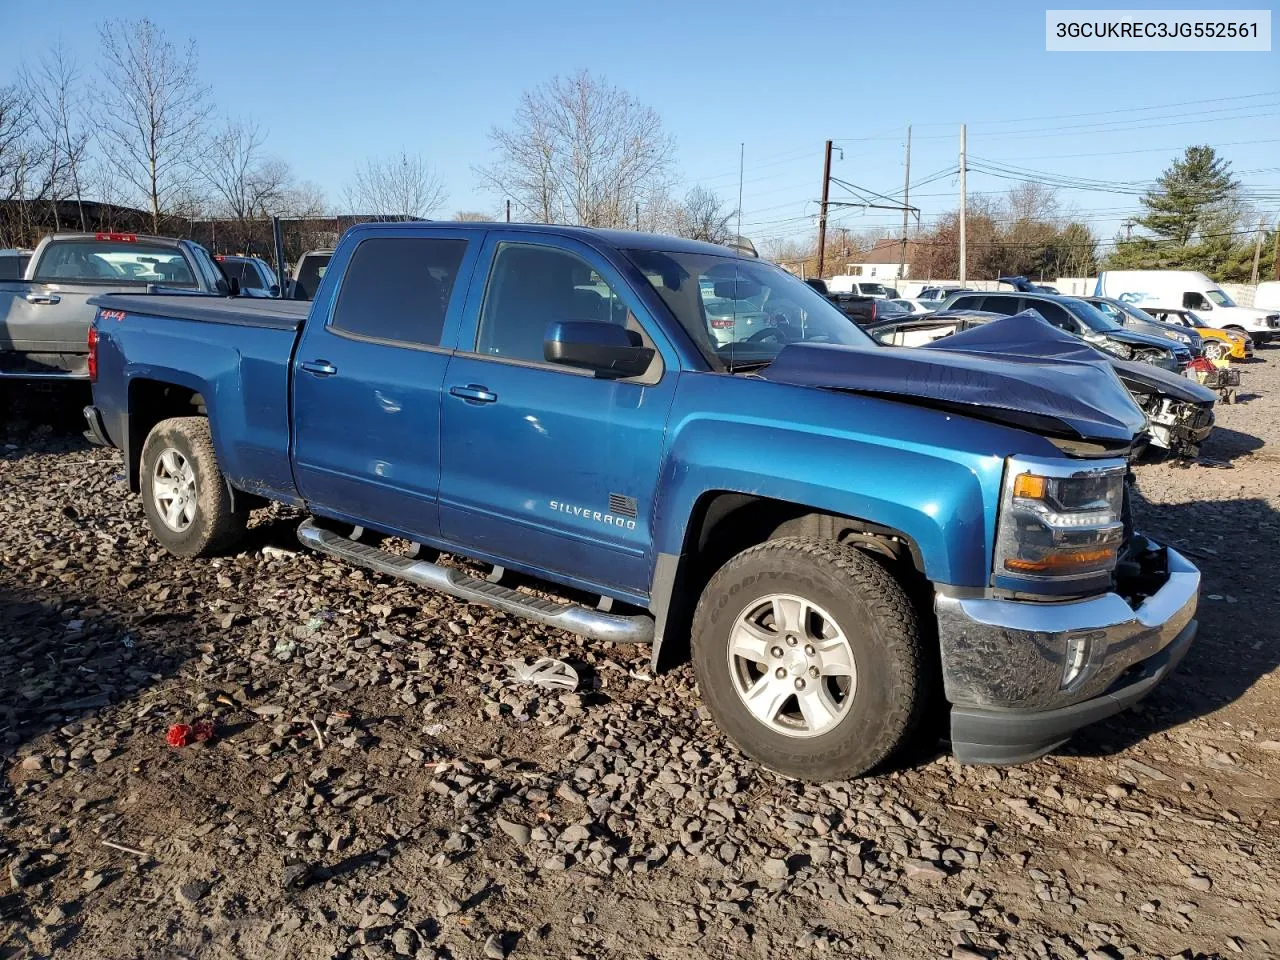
x: 378, y: 787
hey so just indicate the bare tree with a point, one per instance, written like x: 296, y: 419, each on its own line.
x: 397, y: 186
x: 245, y: 183
x: 471, y: 216
x: 53, y: 89
x: 580, y: 151
x: 302, y: 200
x: 153, y: 110
x: 703, y: 216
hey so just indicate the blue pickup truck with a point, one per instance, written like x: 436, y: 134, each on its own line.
x: 844, y: 537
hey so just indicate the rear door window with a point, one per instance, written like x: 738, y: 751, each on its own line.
x: 1001, y: 303
x: 967, y: 303
x: 397, y: 289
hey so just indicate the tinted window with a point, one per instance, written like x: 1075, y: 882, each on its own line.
x: 108, y: 262
x: 967, y: 303
x: 1053, y: 313
x: 1193, y: 300
x: 872, y: 289
x: 245, y: 271
x: 11, y: 267
x: 531, y: 286
x: 1001, y: 304
x: 398, y: 288
x: 310, y: 272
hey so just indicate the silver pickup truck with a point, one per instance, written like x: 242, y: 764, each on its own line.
x: 44, y: 318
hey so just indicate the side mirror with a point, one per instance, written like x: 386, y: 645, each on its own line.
x: 605, y: 348
x: 273, y: 290
x: 740, y: 289
x: 229, y: 287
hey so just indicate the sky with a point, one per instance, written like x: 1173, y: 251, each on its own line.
x: 333, y: 83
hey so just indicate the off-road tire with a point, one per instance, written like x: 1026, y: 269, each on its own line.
x: 216, y: 527
x: 877, y: 617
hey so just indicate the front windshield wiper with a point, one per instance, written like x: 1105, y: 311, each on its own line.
x: 745, y: 365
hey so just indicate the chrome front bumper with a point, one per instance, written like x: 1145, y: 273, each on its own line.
x: 1005, y: 662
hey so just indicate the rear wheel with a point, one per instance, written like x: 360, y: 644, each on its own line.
x: 184, y: 494
x: 808, y: 655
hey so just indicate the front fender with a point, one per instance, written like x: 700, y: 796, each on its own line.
x: 932, y: 476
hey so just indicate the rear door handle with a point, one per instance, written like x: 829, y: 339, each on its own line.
x: 321, y: 368
x: 474, y: 393
x: 45, y: 298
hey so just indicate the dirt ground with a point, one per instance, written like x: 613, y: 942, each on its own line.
x: 378, y: 787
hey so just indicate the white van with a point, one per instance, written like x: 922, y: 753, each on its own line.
x: 848, y: 283
x: 1268, y: 295
x: 1188, y: 290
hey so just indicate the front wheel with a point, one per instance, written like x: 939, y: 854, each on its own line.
x: 809, y: 656
x: 1214, y: 349
x: 184, y: 495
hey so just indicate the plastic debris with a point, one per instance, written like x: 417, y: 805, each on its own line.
x: 546, y: 673
x: 184, y: 734
x: 433, y: 729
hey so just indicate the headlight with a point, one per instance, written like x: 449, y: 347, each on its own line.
x: 1059, y: 521
x: 1121, y: 350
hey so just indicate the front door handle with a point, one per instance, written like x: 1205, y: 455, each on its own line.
x: 45, y: 298
x: 321, y: 368
x: 474, y: 393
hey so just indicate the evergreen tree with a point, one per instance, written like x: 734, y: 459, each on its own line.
x: 1189, y: 197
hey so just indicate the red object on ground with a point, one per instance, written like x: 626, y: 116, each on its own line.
x: 179, y: 735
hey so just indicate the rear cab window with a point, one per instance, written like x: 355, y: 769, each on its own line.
x: 397, y: 290
x: 113, y: 261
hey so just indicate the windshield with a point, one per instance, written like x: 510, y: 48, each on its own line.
x: 1089, y: 315
x: 1126, y: 308
x: 739, y: 312
x: 1220, y: 298
x: 872, y: 289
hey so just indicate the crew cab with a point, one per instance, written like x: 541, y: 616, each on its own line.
x: 44, y: 318
x: 844, y: 537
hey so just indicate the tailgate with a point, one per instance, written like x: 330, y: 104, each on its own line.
x: 45, y: 317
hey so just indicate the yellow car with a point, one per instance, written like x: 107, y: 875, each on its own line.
x: 1217, y: 343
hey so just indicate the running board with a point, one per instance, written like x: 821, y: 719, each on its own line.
x: 564, y: 616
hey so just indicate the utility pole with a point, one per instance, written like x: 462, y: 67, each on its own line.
x: 508, y: 211
x: 637, y: 214
x: 822, y: 213
x: 963, y: 202
x: 906, y: 206
x: 1257, y: 251
x: 1276, y: 260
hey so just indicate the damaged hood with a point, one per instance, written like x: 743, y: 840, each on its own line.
x: 1018, y: 370
x: 1144, y: 378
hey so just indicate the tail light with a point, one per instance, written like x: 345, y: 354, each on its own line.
x: 93, y: 354
x: 725, y: 324
x: 874, y: 310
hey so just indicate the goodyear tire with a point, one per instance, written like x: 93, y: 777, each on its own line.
x: 184, y: 494
x: 809, y: 656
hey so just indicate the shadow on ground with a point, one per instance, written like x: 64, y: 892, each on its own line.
x: 1237, y: 643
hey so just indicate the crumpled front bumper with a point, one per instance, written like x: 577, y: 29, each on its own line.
x: 1023, y: 676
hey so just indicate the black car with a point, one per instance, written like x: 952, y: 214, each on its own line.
x: 1084, y: 321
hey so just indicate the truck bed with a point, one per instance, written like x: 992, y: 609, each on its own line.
x: 240, y: 311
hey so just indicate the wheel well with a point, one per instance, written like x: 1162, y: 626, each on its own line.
x: 722, y: 525
x: 151, y: 401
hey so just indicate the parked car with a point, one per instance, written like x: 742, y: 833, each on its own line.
x: 44, y: 318
x: 307, y: 274
x: 1216, y: 343
x: 1179, y: 412
x: 254, y: 275
x: 941, y: 292
x: 1138, y: 320
x: 825, y: 521
x: 911, y: 305
x: 1188, y: 290
x: 844, y: 283
x: 13, y: 264
x: 1085, y: 321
